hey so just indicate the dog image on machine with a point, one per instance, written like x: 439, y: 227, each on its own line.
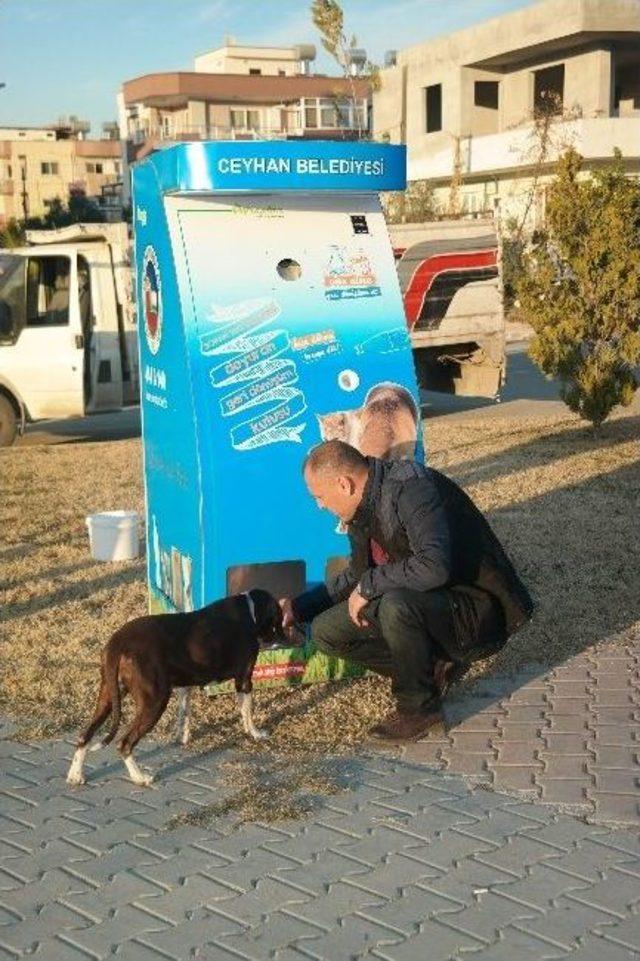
x: 150, y: 656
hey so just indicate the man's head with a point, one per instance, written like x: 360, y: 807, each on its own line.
x: 336, y: 475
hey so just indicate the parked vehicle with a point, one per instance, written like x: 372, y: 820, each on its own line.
x: 67, y: 326
x: 449, y: 274
x: 68, y: 331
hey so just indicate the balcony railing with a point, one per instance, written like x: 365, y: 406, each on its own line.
x: 216, y: 132
x: 210, y: 132
x: 517, y: 148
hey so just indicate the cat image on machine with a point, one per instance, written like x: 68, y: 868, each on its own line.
x: 386, y: 426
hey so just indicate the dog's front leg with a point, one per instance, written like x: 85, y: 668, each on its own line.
x: 75, y: 774
x: 245, y: 703
x: 136, y: 775
x: 182, y: 730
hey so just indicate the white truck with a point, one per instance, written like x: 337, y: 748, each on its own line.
x: 449, y: 272
x: 68, y: 340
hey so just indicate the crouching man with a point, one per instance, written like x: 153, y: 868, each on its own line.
x: 428, y: 584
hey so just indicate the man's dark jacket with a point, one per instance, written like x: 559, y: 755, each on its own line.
x: 435, y: 537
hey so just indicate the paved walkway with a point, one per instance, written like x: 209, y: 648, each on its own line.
x: 569, y: 736
x: 407, y: 862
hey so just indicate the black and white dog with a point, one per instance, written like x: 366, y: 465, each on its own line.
x: 150, y: 656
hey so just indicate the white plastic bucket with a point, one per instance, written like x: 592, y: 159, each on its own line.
x: 114, y: 535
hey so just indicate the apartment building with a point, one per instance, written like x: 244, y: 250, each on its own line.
x: 465, y: 103
x: 241, y: 92
x: 38, y: 164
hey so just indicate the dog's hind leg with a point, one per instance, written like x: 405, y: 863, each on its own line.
x: 244, y: 697
x: 147, y: 716
x: 182, y: 730
x: 75, y: 774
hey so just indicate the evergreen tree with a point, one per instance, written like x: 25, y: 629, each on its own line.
x: 580, y: 287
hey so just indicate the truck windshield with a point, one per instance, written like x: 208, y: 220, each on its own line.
x: 12, y: 297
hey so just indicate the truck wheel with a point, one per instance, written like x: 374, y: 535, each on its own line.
x: 8, y: 422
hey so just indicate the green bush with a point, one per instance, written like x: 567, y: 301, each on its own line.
x: 579, y: 288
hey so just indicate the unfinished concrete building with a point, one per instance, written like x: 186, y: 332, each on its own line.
x: 466, y: 104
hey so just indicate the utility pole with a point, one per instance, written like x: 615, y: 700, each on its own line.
x: 23, y: 176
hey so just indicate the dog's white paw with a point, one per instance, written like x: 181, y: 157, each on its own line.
x: 144, y: 780
x: 259, y: 734
x: 76, y: 777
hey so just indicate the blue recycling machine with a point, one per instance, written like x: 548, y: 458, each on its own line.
x: 269, y: 307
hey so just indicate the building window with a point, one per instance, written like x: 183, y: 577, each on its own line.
x: 255, y: 71
x: 485, y: 94
x: 548, y: 90
x: 47, y: 167
x: 311, y: 116
x: 282, y: 73
x: 329, y: 113
x: 245, y: 119
x: 95, y: 168
x: 433, y: 105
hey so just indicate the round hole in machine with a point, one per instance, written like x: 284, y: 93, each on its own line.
x: 289, y: 269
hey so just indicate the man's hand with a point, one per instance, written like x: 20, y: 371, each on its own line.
x: 289, y: 624
x: 288, y: 617
x: 357, y: 604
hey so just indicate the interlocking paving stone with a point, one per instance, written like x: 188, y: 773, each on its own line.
x: 55, y: 949
x: 540, y: 887
x: 521, y: 730
x: 469, y: 763
x: 568, y: 723
x: 594, y: 948
x: 473, y: 741
x: 23, y: 937
x: 409, y: 862
x: 563, y: 790
x: 427, y: 751
x: 513, y: 777
x: 514, y: 944
x: 341, y: 900
x: 487, y: 915
x: 568, y: 766
x: 182, y: 941
x: 626, y: 934
x: 98, y: 939
x: 615, y: 895
x: 618, y: 781
x: 615, y: 808
x: 518, y: 854
x: 408, y: 912
x: 435, y: 941
x: 567, y: 921
x: 519, y: 752
x: 616, y: 734
x: 338, y: 943
x: 263, y: 941
x: 615, y: 756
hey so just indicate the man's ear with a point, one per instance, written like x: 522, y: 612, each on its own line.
x: 347, y: 484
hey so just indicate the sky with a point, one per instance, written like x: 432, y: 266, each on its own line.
x: 61, y: 57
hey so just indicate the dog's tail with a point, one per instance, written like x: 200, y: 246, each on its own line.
x: 111, y: 665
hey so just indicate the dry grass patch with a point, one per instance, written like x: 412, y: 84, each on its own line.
x: 565, y: 505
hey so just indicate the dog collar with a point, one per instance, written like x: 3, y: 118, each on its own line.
x: 252, y: 607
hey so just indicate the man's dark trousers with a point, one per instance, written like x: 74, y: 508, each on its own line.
x: 407, y: 631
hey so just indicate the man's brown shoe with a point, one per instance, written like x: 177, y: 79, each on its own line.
x: 399, y: 726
